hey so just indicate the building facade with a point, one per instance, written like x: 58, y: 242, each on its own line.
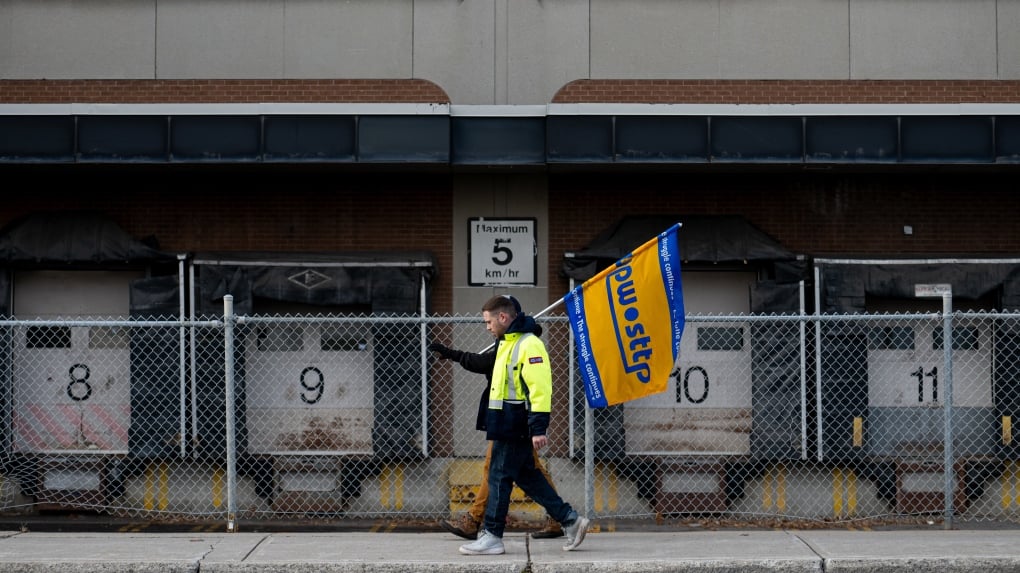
x: 853, y: 129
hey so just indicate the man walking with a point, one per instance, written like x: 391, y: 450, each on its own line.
x: 469, y: 523
x: 517, y: 416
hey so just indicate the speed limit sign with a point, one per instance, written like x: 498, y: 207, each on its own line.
x: 502, y: 252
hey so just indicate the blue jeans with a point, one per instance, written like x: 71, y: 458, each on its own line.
x: 513, y: 461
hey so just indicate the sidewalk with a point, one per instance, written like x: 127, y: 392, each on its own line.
x: 829, y: 551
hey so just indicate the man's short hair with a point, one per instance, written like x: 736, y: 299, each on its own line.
x: 503, y: 303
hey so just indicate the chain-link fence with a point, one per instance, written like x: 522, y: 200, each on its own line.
x: 831, y: 419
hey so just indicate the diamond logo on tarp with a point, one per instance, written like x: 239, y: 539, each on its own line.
x: 309, y: 279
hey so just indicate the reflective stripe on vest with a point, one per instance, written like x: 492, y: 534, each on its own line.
x: 511, y: 386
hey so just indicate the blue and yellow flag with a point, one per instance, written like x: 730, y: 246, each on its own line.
x: 627, y: 322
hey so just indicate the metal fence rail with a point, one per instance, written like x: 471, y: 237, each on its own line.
x: 826, y: 419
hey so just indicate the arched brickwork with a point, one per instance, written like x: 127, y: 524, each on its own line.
x: 222, y: 91
x: 789, y: 91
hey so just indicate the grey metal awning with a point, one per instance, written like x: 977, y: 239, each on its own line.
x: 554, y: 135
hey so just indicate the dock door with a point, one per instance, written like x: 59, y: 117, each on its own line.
x: 883, y: 381
x: 685, y: 448
x: 326, y: 389
x: 70, y: 385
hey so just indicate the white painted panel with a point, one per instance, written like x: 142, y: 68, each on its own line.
x: 305, y: 398
x: 73, y: 294
x: 73, y: 392
x: 307, y: 481
x: 913, y: 376
x: 71, y: 479
x: 717, y: 292
x: 706, y: 409
x: 906, y: 367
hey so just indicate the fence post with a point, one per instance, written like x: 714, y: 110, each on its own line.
x: 947, y: 348
x: 228, y: 362
x: 589, y: 460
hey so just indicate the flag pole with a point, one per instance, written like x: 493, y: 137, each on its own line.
x: 548, y: 308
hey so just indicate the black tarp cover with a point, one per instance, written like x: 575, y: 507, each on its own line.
x: 845, y: 285
x: 389, y: 281
x: 73, y: 238
x: 702, y: 239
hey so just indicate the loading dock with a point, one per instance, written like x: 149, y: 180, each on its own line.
x: 685, y: 447
x: 326, y: 396
x: 882, y: 390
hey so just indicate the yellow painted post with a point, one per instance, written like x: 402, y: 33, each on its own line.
x: 391, y: 482
x: 844, y: 492
x: 217, y: 487
x: 837, y: 492
x: 1015, y: 478
x: 1005, y: 495
x: 1010, y: 479
x: 384, y: 486
x: 851, y: 493
x: 164, y: 486
x: 781, y: 488
x: 607, y: 487
x: 614, y: 490
x: 149, y: 497
x: 774, y: 490
x: 398, y: 487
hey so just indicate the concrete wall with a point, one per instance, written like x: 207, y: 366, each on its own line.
x: 726, y: 39
x: 67, y: 39
x: 509, y: 51
x: 493, y: 197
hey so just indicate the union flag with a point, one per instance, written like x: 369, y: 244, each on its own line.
x: 627, y: 322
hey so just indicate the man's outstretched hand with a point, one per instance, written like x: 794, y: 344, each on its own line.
x: 445, y: 352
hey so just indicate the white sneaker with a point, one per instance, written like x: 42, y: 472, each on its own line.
x: 486, y: 544
x: 575, y: 533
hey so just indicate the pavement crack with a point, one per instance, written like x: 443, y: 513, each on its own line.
x: 527, y: 553
x: 807, y: 543
x: 212, y: 547
x: 255, y: 547
x: 201, y: 557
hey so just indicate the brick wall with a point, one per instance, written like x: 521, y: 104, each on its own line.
x: 850, y: 214
x: 580, y: 91
x: 789, y: 91
x: 966, y: 215
x: 221, y: 91
x: 256, y: 211
x: 859, y: 214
